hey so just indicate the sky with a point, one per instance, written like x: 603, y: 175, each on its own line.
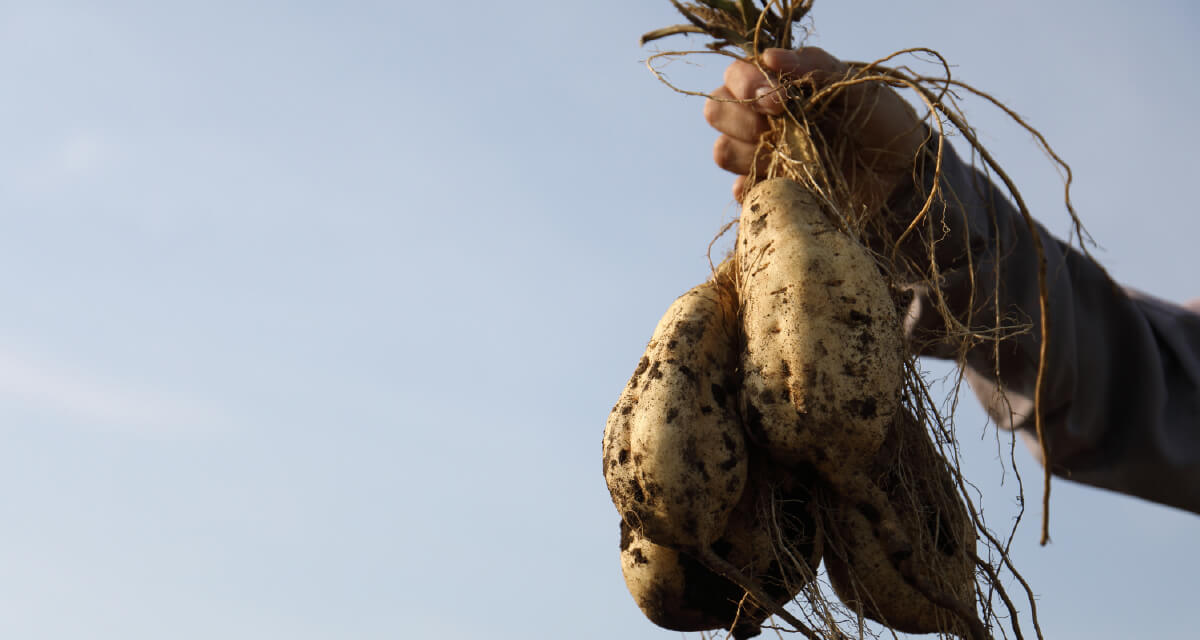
x: 314, y: 313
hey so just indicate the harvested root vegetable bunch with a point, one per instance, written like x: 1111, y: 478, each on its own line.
x: 783, y: 388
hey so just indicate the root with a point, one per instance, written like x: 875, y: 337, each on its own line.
x: 721, y: 567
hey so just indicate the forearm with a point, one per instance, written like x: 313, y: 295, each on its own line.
x: 1121, y: 401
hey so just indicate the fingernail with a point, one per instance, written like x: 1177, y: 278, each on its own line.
x: 767, y: 99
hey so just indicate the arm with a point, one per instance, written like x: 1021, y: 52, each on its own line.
x: 1122, y: 398
x: 1122, y: 401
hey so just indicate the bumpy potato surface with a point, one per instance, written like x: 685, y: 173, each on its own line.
x: 674, y: 449
x: 824, y: 354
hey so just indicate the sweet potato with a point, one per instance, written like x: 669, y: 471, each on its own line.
x: 824, y: 354
x: 674, y: 449
x: 940, y: 566
x: 678, y: 592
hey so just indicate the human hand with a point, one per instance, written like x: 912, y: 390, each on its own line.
x: 883, y: 130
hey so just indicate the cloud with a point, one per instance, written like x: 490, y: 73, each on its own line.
x: 99, y: 401
x: 64, y: 160
x: 80, y: 154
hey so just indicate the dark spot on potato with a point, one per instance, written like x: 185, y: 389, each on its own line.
x: 758, y: 224
x: 672, y: 344
x: 623, y: 456
x: 785, y: 368
x: 900, y: 555
x: 642, y: 365
x: 754, y: 422
x: 718, y: 394
x: 733, y: 487
x: 721, y: 547
x: 626, y: 535
x: 690, y: 526
x: 627, y: 409
x: 638, y: 557
x: 655, y: 373
x: 638, y: 495
x: 858, y: 317
x: 729, y: 464
x: 691, y: 455
x: 730, y: 443
x: 672, y: 413
x: 866, y: 408
x: 706, y: 410
x: 869, y: 512
x: 688, y: 373
x: 693, y: 330
x: 766, y: 397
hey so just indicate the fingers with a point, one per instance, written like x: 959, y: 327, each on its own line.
x: 745, y: 82
x: 737, y: 156
x: 733, y: 155
x: 879, y: 121
x: 734, y: 119
x: 743, y: 123
x: 742, y: 126
x: 739, y: 188
x: 811, y: 61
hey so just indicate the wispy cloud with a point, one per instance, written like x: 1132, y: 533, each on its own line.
x: 67, y: 159
x: 94, y: 399
x: 81, y: 154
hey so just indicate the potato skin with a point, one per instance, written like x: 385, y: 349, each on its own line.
x: 824, y: 353
x: 677, y: 592
x: 673, y: 590
x: 920, y: 489
x: 674, y: 450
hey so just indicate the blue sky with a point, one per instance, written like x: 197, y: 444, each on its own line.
x: 315, y: 313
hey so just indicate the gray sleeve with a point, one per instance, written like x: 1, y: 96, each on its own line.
x: 1122, y: 400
